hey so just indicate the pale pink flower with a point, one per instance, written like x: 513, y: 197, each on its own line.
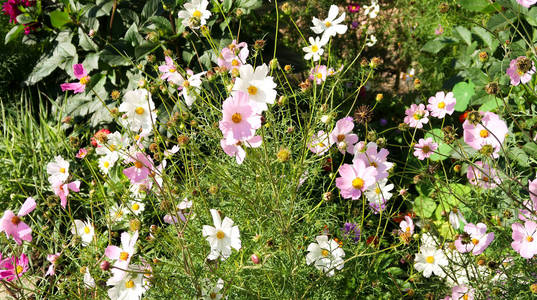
x: 239, y: 120
x: 319, y: 143
x: 525, y: 239
x: 475, y: 240
x: 517, y: 74
x: 490, y: 131
x: 82, y: 152
x: 62, y: 190
x: 318, y: 74
x: 13, y: 225
x: 416, y: 116
x: 371, y: 157
x: 462, y: 292
x: 407, y: 226
x: 442, y: 104
x: 82, y: 75
x: 342, y: 135
x: 58, y: 170
x: 355, y: 179
x: 425, y: 148
x: 236, y: 150
x: 52, y: 259
x: 13, y: 267
x: 439, y: 30
x: 122, y: 256
x: 143, y: 165
x: 532, y: 186
x: 170, y: 72
x: 233, y: 56
x: 482, y: 175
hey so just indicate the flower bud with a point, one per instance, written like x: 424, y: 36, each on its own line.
x: 483, y: 56
x: 105, y: 265
x: 254, y: 259
x: 379, y: 97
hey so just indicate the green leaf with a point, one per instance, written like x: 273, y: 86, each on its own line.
x: 531, y: 17
x: 474, y: 5
x: 161, y: 23
x: 465, y: 34
x: 150, y: 8
x: 486, y: 37
x: 519, y: 156
x: 492, y: 103
x: 91, y: 62
x: 13, y: 33
x: 59, y: 18
x: 437, y: 44
x: 424, y: 206
x: 498, y: 21
x: 444, y: 150
x: 530, y: 148
x: 463, y: 92
x: 65, y: 50
x: 227, y: 5
x: 85, y: 42
x: 24, y: 19
x: 133, y: 36
x: 145, y: 48
x: 42, y: 69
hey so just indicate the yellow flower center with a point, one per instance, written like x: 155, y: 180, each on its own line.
x: 15, y: 220
x: 138, y: 164
x: 196, y: 14
x: 314, y: 48
x: 319, y: 75
x: 322, y: 145
x: 441, y: 104
x: 407, y: 229
x: 137, y: 137
x: 123, y: 255
x: 252, y: 90
x: 84, y: 80
x: 475, y: 241
x: 377, y: 190
x: 235, y: 63
x: 19, y: 269
x: 417, y: 116
x: 483, y: 133
x: 236, y: 118
x: 429, y: 259
x: 135, y: 206
x: 340, y: 137
x: 220, y: 234
x: 62, y: 170
x: 172, y: 70
x: 325, y: 253
x: 139, y: 110
x: 186, y: 83
x: 129, y: 284
x: 86, y: 230
x: 106, y: 164
x: 465, y: 297
x: 327, y: 24
x: 113, y: 147
x: 529, y: 239
x: 358, y: 183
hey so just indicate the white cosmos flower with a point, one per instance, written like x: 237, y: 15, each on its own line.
x: 372, y: 10
x: 191, y: 86
x: 122, y: 256
x: 58, y: 170
x: 371, y: 41
x: 107, y: 162
x: 379, y: 193
x: 326, y: 254
x: 456, y: 217
x: 139, y: 110
x: 184, y: 204
x: 115, y: 142
x: 129, y: 288
x: 118, y: 213
x: 222, y: 237
x: 330, y: 26
x: 88, y: 280
x: 259, y: 87
x: 314, y: 50
x: 195, y: 14
x: 210, y: 291
x: 430, y: 260
x: 136, y: 207
x: 428, y: 240
x: 85, y: 230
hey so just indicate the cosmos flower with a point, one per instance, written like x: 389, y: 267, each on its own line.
x: 210, y: 290
x: 239, y: 121
x: 416, y: 116
x: 482, y: 175
x: 122, y: 256
x: 170, y: 72
x: 353, y: 8
x: 138, y: 108
x: 233, y: 56
x: 314, y: 50
x: 525, y: 239
x: 82, y: 75
x: 62, y: 190
x: 195, y: 14
x: 378, y: 194
x: 521, y: 70
x: 132, y: 286
x: 326, y: 255
x: 58, y: 170
x: 406, y: 226
x: 318, y: 74
x: 13, y: 225
x: 52, y: 258
x: 372, y: 10
x: 475, y: 240
x: 425, y: 148
x: 374, y: 158
x: 260, y: 87
x: 442, y: 104
x: 319, y: 143
x: 190, y: 86
x: 84, y: 230
x: 13, y: 267
x: 430, y: 260
x: 236, y: 150
x: 330, y: 26
x: 143, y: 165
x: 462, y: 292
x: 355, y: 179
x: 490, y: 131
x: 342, y: 135
x: 221, y: 237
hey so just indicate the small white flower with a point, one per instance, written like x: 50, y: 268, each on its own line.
x: 184, y: 204
x: 171, y: 152
x: 210, y: 291
x: 371, y: 41
x: 330, y: 26
x: 107, y: 162
x: 118, y: 213
x: 326, y: 254
x: 379, y: 193
x: 85, y: 230
x: 195, y: 14
x: 88, y: 280
x: 129, y: 288
x: 58, y: 170
x: 314, y: 50
x: 430, y: 260
x: 456, y: 217
x: 139, y: 110
x: 222, y: 237
x: 427, y: 240
x: 325, y: 119
x: 115, y: 142
x: 136, y: 207
x: 372, y: 10
x: 260, y: 88
x: 191, y: 86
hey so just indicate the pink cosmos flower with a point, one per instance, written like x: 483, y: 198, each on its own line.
x: 122, y: 256
x: 532, y: 186
x: 82, y: 152
x: 13, y: 225
x: 442, y: 104
x: 439, y: 30
x: 239, y: 120
x: 342, y: 135
x: 52, y: 259
x: 355, y: 179
x: 529, y: 211
x: 236, y: 150
x: 58, y: 170
x: 416, y: 116
x: 482, y: 175
x: 318, y: 74
x: 62, y: 190
x: 13, y: 267
x: 525, y: 239
x: 319, y: 143
x: 520, y: 70
x: 143, y: 165
x: 371, y: 157
x: 233, y: 56
x: 476, y: 239
x: 490, y: 131
x: 170, y: 71
x: 424, y: 148
x: 82, y: 75
x: 407, y: 226
x: 526, y: 3
x: 462, y: 292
